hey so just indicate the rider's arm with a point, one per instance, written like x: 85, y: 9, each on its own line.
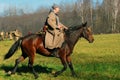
x: 63, y: 26
x: 52, y: 20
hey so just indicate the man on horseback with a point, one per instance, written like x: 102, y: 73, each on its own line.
x: 54, y: 30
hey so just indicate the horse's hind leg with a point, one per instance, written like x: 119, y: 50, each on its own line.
x: 30, y: 65
x: 20, y: 59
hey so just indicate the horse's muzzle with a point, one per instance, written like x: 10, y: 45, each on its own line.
x: 91, y: 41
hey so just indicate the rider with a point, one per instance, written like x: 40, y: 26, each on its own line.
x: 53, y: 26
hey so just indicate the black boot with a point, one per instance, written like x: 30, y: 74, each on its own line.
x: 54, y: 53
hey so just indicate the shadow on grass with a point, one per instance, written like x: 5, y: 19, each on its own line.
x: 81, y: 75
x: 26, y: 69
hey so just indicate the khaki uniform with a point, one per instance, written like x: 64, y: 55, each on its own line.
x: 2, y: 35
x: 54, y: 36
x: 17, y: 34
x: 11, y: 35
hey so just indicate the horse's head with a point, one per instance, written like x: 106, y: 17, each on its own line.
x: 87, y: 33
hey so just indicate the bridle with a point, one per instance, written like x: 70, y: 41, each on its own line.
x: 84, y: 33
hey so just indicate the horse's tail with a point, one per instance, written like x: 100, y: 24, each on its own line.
x: 13, y: 48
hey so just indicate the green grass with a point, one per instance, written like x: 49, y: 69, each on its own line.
x: 97, y: 61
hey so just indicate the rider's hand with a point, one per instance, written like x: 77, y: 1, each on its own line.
x: 59, y: 26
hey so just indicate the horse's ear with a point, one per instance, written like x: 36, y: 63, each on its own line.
x: 84, y: 25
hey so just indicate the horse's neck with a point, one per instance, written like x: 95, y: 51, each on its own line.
x: 73, y: 38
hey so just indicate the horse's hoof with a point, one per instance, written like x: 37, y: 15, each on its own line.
x: 36, y: 76
x: 10, y: 73
x: 74, y: 75
x: 56, y: 74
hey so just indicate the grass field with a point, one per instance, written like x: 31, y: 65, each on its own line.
x: 97, y: 61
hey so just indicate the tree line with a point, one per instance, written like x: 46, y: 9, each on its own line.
x: 103, y: 17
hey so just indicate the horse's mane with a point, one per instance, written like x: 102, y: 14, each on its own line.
x: 73, y: 28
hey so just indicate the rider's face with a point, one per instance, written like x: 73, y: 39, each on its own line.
x: 57, y: 9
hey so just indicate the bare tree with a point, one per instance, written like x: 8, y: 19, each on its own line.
x: 104, y: 17
x: 115, y: 9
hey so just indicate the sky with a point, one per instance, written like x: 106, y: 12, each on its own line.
x: 31, y: 4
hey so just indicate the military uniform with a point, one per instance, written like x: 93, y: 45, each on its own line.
x: 17, y: 35
x: 2, y: 35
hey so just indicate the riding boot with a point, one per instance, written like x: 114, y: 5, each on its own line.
x: 55, y: 52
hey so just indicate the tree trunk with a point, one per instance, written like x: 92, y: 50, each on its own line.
x: 115, y: 14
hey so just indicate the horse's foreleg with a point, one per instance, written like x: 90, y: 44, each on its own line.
x: 71, y: 66
x: 63, y: 60
x: 21, y: 58
x: 31, y: 61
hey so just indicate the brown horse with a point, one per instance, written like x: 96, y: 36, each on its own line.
x: 34, y: 43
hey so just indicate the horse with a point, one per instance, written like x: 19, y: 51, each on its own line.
x: 34, y: 43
